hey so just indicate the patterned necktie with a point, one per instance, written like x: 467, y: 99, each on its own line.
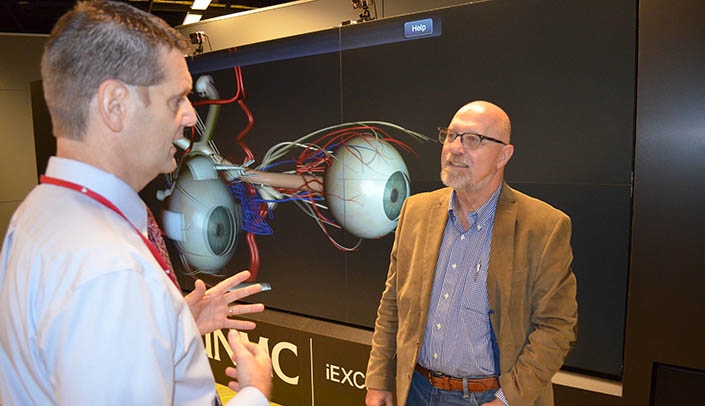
x: 155, y: 236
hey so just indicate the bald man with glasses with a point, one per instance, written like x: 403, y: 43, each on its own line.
x: 479, y: 307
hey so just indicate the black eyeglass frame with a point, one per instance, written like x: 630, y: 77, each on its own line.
x: 443, y: 130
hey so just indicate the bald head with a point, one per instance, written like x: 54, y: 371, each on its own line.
x: 486, y: 118
x: 476, y: 171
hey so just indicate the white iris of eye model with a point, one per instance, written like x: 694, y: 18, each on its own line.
x: 366, y: 186
x: 202, y: 218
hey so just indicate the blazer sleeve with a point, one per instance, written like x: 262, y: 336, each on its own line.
x: 552, y: 310
x: 381, y: 367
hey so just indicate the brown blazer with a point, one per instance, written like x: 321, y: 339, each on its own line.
x: 530, y: 285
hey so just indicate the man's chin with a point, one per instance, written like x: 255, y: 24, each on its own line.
x: 170, y: 167
x: 451, y: 181
x: 457, y: 184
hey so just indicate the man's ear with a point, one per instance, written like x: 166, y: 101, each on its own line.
x: 506, y: 155
x: 112, y: 98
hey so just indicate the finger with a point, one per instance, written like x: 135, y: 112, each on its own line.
x: 234, y: 386
x: 255, y: 349
x: 244, y: 325
x: 229, y: 283
x: 244, y: 291
x: 199, y: 286
x: 238, y: 309
x: 231, y: 372
x: 199, y: 289
x: 234, y: 280
x: 236, y: 343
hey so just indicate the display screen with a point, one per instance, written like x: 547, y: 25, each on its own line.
x: 346, y: 120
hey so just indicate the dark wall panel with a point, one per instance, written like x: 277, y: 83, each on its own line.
x: 564, y: 71
x: 672, y: 385
x: 569, y: 89
x: 567, y: 396
x: 666, y: 308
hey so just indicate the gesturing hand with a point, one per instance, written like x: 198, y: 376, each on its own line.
x: 253, y: 365
x: 212, y: 308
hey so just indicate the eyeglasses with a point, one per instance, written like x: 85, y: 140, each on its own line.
x: 469, y: 140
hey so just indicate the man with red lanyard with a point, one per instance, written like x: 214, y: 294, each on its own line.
x: 89, y: 315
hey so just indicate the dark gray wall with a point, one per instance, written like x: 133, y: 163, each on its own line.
x: 666, y: 304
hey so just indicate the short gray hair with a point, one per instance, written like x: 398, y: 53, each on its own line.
x: 95, y: 41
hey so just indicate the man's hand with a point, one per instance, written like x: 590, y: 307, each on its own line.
x: 253, y: 366
x: 212, y: 310
x: 378, y: 398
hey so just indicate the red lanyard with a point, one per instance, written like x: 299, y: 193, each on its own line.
x: 107, y: 203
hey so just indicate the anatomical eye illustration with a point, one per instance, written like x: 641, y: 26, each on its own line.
x: 202, y: 218
x: 366, y: 185
x: 349, y: 176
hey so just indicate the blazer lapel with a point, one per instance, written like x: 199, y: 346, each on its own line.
x: 433, y: 233
x: 499, y: 277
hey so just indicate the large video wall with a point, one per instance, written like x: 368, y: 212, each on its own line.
x: 564, y: 72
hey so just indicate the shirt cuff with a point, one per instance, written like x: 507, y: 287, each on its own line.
x: 248, y: 396
x: 500, y: 395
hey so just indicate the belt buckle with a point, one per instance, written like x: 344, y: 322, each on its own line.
x: 439, y: 380
x: 435, y: 374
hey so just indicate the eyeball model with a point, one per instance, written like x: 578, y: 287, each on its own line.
x: 202, y: 217
x: 366, y: 186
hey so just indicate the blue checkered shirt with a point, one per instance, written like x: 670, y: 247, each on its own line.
x: 457, y: 341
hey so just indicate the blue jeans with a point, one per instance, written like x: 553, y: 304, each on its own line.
x: 422, y: 393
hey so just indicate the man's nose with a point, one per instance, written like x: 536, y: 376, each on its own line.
x: 457, y: 144
x: 189, y: 117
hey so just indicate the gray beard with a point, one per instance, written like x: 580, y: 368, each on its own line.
x: 461, y: 184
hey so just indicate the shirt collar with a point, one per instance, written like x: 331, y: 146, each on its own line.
x: 117, y: 191
x: 480, y: 216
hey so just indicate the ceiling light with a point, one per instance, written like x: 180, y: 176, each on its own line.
x: 200, y: 4
x: 192, y: 18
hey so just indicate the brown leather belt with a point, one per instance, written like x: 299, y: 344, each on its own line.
x: 446, y: 382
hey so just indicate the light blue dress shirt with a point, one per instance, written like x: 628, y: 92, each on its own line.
x: 88, y: 316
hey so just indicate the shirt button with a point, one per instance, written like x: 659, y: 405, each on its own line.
x: 445, y: 296
x: 479, y: 227
x: 435, y: 356
x: 438, y: 326
x: 462, y: 237
x: 454, y: 266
